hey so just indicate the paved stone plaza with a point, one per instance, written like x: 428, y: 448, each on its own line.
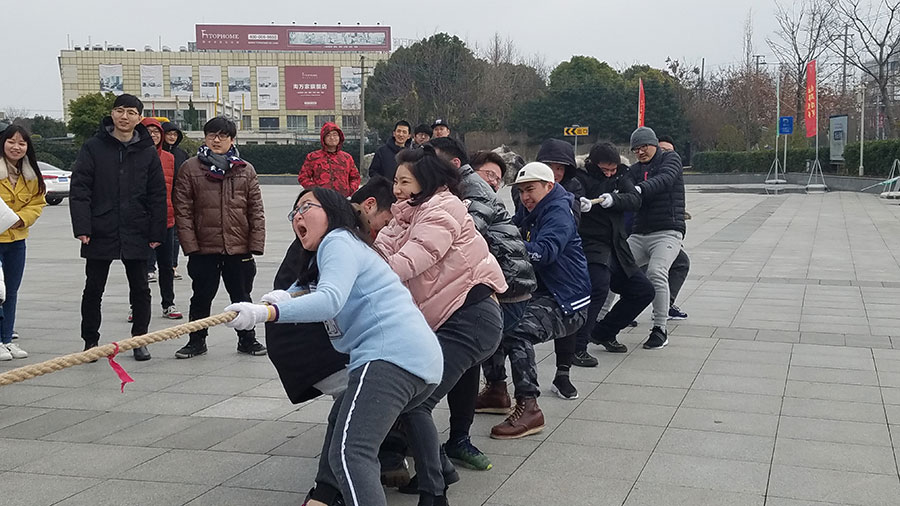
x: 782, y: 388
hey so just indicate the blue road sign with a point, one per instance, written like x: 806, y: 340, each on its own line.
x: 786, y: 125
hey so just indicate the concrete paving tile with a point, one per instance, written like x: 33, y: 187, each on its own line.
x: 836, y: 456
x: 516, y: 448
x: 833, y: 410
x: 261, y: 368
x: 104, y: 461
x: 813, y: 337
x: 889, y: 379
x: 258, y: 408
x: 782, y: 336
x: 148, y: 380
x: 314, y: 412
x: 90, y: 431
x: 606, y: 434
x: 832, y: 391
x: 561, y: 460
x: 844, y: 376
x: 756, y: 346
x: 271, y: 388
x: 23, y: 489
x: 197, y: 467
x: 89, y: 398
x: 654, y: 494
x: 731, y: 401
x: 286, y: 474
x: 136, y: 493
x: 17, y: 452
x: 735, y: 333
x: 868, y: 341
x: 686, y: 329
x: 167, y: 403
x: 48, y: 423
x: 717, y: 445
x: 528, y: 487
x: 651, y: 378
x: 831, y: 362
x: 725, y: 421
x: 761, y: 357
x: 738, y: 384
x: 209, y: 432
x: 721, y: 367
x: 840, y: 487
x: 216, y: 385
x: 781, y: 501
x: 263, y: 437
x: 74, y: 377
x: 233, y: 496
x: 624, y: 412
x: 15, y: 414
x: 704, y: 472
x: 150, y: 431
x: 309, y: 444
x: 837, y: 351
x: 22, y: 394
x: 834, y: 431
x: 645, y: 362
x: 639, y: 394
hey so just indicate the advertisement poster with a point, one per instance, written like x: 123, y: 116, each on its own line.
x: 151, y: 81
x: 239, y: 86
x: 293, y: 38
x: 210, y: 79
x: 838, y: 130
x: 351, y: 87
x: 309, y: 88
x: 181, y: 80
x: 268, y: 97
x: 111, y: 79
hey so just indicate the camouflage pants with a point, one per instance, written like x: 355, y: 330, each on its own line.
x: 542, y: 321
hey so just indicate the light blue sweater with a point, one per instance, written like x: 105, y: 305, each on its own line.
x: 367, y: 311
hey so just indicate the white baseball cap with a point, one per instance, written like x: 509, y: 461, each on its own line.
x: 535, y: 171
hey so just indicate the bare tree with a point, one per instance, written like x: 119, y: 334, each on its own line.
x: 875, y: 25
x: 13, y: 113
x: 804, y: 32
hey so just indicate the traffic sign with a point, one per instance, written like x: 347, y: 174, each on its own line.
x: 786, y: 125
x: 575, y: 131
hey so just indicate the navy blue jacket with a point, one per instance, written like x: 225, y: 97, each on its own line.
x: 554, y: 248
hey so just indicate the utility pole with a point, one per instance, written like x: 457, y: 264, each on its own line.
x: 757, y: 57
x: 702, y: 70
x: 362, y: 109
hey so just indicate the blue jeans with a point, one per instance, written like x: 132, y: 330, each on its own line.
x: 12, y: 256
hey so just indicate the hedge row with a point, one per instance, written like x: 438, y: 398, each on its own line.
x: 877, y: 157
x: 756, y: 162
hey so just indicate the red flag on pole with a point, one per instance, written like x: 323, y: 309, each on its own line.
x: 811, y: 116
x: 642, y: 106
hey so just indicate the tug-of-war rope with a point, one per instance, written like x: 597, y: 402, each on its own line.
x: 111, y: 350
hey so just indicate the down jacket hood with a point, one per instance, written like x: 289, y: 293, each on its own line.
x: 148, y: 122
x: 326, y: 129
x: 168, y: 126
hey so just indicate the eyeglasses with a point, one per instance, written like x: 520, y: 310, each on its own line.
x: 219, y: 137
x: 490, y: 176
x: 302, y: 208
x: 121, y: 111
x: 640, y: 148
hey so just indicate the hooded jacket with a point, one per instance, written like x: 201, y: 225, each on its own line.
x: 558, y: 151
x: 662, y: 193
x: 118, y: 195
x: 384, y: 163
x: 180, y: 155
x: 24, y: 198
x: 438, y: 254
x: 503, y: 238
x: 602, y: 231
x: 168, y: 167
x: 325, y: 169
x: 555, y: 250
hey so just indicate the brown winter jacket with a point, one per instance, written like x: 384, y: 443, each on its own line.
x: 219, y: 217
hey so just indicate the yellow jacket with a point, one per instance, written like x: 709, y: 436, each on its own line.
x: 25, y: 199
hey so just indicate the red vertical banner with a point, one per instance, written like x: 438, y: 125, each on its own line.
x: 811, y: 117
x: 642, y: 105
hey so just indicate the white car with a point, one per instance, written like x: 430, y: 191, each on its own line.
x: 57, y: 182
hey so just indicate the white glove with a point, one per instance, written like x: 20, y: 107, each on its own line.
x: 275, y: 296
x: 585, y: 204
x: 637, y: 188
x: 606, y: 201
x: 249, y: 314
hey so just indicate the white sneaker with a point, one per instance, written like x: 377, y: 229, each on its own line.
x: 15, y: 351
x: 4, y: 353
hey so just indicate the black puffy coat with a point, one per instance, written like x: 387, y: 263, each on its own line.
x: 662, y: 193
x: 384, y: 163
x: 118, y: 195
x: 180, y: 155
x: 301, y: 352
x: 602, y: 230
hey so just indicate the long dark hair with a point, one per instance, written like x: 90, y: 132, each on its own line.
x: 431, y: 172
x: 340, y: 214
x: 29, y: 152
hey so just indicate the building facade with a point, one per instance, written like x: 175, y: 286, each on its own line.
x: 279, y: 83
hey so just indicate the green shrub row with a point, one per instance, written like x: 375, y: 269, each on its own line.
x: 878, y: 156
x: 756, y: 162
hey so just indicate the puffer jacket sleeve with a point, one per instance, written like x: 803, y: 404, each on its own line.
x: 354, y: 175
x: 376, y: 167
x: 435, y: 231
x: 156, y: 193
x: 80, y: 192
x: 626, y: 199
x: 306, y: 178
x: 183, y: 202
x: 665, y: 177
x: 256, y: 215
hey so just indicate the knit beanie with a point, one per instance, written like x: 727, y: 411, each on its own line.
x: 644, y: 136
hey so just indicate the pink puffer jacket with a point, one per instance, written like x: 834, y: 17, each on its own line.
x: 438, y: 254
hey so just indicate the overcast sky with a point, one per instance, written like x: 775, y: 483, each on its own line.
x: 621, y: 32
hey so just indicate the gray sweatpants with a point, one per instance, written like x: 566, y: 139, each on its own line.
x: 377, y: 393
x: 657, y: 251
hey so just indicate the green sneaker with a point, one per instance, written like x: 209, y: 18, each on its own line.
x: 464, y: 453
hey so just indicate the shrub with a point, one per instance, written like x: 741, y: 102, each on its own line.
x: 756, y: 162
x: 877, y: 157
x: 288, y: 158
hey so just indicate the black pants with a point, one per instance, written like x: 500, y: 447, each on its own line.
x: 237, y: 271
x: 96, y: 273
x: 678, y: 273
x: 163, y: 256
x: 635, y: 294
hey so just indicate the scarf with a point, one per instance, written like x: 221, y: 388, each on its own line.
x: 219, y: 164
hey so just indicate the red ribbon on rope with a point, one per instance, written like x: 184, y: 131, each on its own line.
x: 118, y: 368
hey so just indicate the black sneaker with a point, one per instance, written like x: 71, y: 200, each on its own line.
x: 251, y: 347
x: 613, y: 346
x: 192, y: 349
x: 657, y: 339
x: 584, y: 359
x: 633, y: 323
x: 675, y: 313
x: 141, y: 354
x: 564, y: 388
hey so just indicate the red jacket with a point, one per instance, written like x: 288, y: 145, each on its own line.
x: 330, y: 170
x: 168, y: 166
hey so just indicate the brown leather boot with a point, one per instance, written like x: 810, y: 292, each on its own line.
x: 525, y: 420
x: 494, y: 399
